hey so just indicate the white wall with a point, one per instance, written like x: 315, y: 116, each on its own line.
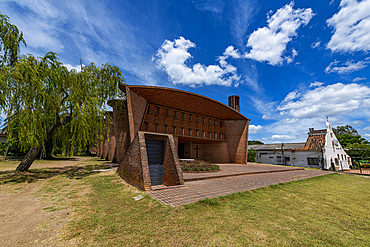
x: 336, y: 151
x: 296, y: 158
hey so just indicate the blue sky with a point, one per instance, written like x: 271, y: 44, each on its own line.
x: 292, y: 62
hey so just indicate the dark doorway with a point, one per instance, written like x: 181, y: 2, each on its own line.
x: 155, y: 152
x: 181, y: 150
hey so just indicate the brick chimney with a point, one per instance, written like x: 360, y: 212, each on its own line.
x: 234, y: 102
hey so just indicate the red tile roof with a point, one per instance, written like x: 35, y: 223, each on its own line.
x: 186, y: 101
x: 314, y: 142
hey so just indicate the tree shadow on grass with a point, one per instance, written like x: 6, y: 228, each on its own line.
x: 59, y: 158
x: 34, y: 175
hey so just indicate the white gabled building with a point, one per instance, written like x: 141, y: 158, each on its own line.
x: 334, y: 154
x: 321, y: 150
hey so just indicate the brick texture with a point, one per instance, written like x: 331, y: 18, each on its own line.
x: 215, y: 152
x: 134, y: 167
x: 135, y: 110
x: 121, y: 128
x: 111, y: 149
x: 131, y: 165
x: 237, y: 140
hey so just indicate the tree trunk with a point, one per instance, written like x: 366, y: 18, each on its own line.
x: 7, y: 149
x: 33, y: 152
x: 28, y: 159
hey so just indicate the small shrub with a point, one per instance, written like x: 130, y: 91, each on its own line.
x: 199, y: 165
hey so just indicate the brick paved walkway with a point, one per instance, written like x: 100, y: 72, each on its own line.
x: 363, y: 171
x: 228, y: 170
x: 210, y: 188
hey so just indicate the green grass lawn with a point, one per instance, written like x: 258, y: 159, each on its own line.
x: 324, y: 211
x: 331, y: 210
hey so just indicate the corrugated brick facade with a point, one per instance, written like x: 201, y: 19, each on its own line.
x: 192, y: 126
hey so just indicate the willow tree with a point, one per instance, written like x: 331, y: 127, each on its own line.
x: 44, y: 99
x: 10, y: 40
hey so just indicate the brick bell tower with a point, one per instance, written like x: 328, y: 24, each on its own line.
x: 234, y: 102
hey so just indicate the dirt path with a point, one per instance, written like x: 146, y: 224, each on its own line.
x: 23, y: 222
x: 24, y: 216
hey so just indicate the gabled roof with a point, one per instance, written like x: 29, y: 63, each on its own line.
x: 314, y: 142
x: 185, y: 101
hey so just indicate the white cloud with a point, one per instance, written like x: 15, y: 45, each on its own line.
x: 282, y: 137
x: 231, y: 52
x: 214, y: 6
x: 76, y: 67
x: 172, y: 57
x: 292, y: 95
x: 351, y: 27
x: 316, y: 84
x: 336, y: 99
x: 316, y: 44
x: 366, y: 135
x: 266, y: 108
x: 242, y: 13
x: 357, y: 123
x: 347, y: 68
x: 359, y: 79
x: 269, y: 43
x: 254, y: 129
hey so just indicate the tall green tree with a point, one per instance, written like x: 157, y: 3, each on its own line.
x: 44, y: 99
x: 10, y: 40
x: 357, y: 150
x: 347, y: 129
x: 346, y: 140
x: 255, y: 142
x: 347, y: 135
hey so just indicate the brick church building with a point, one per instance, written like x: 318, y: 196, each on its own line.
x: 154, y: 126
